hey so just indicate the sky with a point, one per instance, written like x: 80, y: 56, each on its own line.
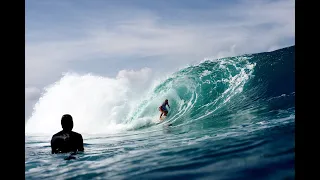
x: 103, y: 37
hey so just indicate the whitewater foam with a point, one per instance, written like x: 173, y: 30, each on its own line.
x: 98, y: 104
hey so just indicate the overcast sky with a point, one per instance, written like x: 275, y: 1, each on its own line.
x: 106, y: 36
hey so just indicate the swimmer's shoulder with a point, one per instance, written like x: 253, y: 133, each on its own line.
x: 75, y: 134
x: 57, y: 134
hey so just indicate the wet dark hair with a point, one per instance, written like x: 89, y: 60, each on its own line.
x: 67, y: 122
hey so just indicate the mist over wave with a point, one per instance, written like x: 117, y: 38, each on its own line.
x: 98, y: 104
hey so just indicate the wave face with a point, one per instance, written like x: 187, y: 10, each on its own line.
x: 232, y: 118
x: 213, y: 94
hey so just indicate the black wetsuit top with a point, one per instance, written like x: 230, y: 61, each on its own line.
x: 64, y: 142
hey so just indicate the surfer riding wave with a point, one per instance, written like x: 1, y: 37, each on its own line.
x: 163, y: 108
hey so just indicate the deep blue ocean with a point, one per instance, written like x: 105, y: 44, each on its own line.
x: 232, y: 118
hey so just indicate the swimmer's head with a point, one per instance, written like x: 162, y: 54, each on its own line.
x: 66, y: 122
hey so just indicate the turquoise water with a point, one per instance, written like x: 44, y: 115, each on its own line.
x: 232, y: 118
